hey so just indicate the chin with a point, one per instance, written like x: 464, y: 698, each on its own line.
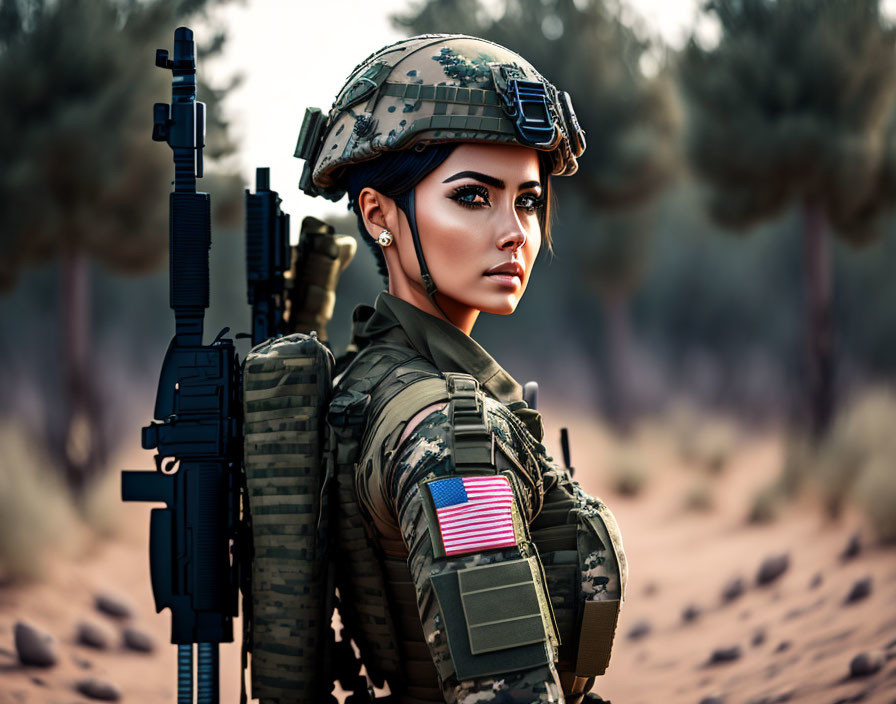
x: 504, y: 306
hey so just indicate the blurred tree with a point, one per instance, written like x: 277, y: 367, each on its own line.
x: 792, y: 105
x: 631, y: 122
x: 81, y: 176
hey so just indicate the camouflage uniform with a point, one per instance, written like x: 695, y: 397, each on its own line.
x: 531, y: 618
x: 393, y: 577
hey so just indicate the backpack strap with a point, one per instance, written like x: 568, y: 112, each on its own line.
x: 387, y: 422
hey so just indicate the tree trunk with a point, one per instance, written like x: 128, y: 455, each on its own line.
x: 81, y: 451
x: 618, y: 350
x: 819, y: 338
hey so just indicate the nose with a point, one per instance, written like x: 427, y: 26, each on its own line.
x: 512, y: 240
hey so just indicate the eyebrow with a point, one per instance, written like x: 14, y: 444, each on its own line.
x: 490, y: 180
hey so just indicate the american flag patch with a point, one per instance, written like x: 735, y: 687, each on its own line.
x: 474, y: 513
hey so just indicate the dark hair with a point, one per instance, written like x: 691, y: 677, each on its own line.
x: 395, y: 174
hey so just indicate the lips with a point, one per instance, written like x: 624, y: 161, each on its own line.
x: 507, y: 269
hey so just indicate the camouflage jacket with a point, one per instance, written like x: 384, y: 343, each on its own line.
x: 570, y: 536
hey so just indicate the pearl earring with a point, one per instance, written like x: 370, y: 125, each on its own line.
x: 385, y: 238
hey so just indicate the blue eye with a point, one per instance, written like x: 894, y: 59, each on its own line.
x: 471, y: 196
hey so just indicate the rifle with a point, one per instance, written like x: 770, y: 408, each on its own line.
x: 201, y: 546
x: 197, y: 431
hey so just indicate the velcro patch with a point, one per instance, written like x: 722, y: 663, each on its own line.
x: 474, y: 513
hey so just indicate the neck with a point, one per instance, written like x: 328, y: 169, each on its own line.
x: 461, y: 316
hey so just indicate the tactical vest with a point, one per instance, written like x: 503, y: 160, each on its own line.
x: 287, y: 392
x: 378, y: 602
x: 384, y: 387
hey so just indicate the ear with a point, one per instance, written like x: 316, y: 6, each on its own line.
x: 378, y: 211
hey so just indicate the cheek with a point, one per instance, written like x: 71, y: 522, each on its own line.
x: 448, y: 234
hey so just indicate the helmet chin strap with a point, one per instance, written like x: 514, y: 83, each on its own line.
x: 406, y: 203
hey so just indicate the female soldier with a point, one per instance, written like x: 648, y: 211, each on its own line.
x: 471, y: 567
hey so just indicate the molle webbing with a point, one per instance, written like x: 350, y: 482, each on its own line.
x: 286, y: 389
x: 442, y: 94
x: 555, y: 539
x: 371, y: 594
x: 465, y: 123
x: 473, y: 445
x: 363, y: 605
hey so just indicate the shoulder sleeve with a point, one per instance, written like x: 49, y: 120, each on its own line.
x: 480, y: 587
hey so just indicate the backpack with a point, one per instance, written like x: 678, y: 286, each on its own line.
x: 287, y: 383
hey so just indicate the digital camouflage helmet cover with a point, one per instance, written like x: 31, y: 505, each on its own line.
x: 431, y: 89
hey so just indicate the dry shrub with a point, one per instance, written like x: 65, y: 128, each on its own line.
x: 875, y: 491
x: 857, y: 461
x: 101, y: 506
x: 699, y: 497
x: 703, y: 442
x: 767, y: 504
x: 684, y: 423
x: 798, y: 466
x: 628, y: 473
x: 35, y: 510
x: 714, y: 445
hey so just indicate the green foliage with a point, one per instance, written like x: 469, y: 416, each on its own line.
x: 77, y: 84
x: 794, y: 103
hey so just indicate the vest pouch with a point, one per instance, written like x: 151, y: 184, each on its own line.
x: 602, y: 584
x: 493, y: 618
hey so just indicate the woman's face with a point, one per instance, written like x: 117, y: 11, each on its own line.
x: 478, y: 221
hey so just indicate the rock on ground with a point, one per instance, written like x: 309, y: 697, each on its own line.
x: 639, y: 630
x: 140, y: 641
x: 758, y: 638
x: 91, y: 635
x: 772, y: 568
x: 728, y: 654
x: 691, y: 613
x: 733, y: 589
x: 34, y: 646
x: 866, y: 664
x: 853, y: 547
x: 113, y: 606
x: 861, y: 589
x: 97, y: 689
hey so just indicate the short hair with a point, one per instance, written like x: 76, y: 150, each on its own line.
x: 395, y: 174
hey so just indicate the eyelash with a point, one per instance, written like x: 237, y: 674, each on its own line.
x: 462, y: 192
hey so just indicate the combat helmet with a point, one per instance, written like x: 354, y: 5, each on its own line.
x: 432, y: 89
x: 436, y: 88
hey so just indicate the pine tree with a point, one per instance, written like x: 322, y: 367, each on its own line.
x: 81, y: 177
x: 793, y: 106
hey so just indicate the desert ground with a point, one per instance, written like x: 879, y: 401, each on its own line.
x: 698, y: 626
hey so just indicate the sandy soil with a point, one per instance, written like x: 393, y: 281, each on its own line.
x: 796, y: 639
